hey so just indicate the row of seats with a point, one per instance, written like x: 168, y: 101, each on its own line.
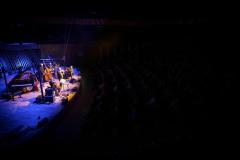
x: 143, y: 99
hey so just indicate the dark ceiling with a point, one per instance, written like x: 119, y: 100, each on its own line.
x: 45, y: 22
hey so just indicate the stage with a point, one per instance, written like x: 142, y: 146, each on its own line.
x: 22, y: 118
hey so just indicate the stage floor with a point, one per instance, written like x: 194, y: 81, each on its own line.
x: 19, y: 118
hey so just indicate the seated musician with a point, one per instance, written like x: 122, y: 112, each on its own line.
x: 67, y: 73
x: 51, y: 83
x: 34, y: 83
x: 56, y: 89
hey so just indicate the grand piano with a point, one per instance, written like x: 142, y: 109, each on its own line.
x: 24, y: 81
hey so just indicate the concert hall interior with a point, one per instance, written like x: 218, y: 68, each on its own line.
x: 100, y: 81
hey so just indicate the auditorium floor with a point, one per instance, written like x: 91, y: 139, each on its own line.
x: 19, y: 118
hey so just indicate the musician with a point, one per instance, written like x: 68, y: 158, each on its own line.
x: 51, y: 66
x: 55, y: 70
x: 71, y: 71
x: 56, y: 88
x: 35, y: 86
x: 51, y: 83
x: 47, y: 74
x: 59, y: 74
x: 67, y: 73
x: 42, y: 69
x: 62, y: 82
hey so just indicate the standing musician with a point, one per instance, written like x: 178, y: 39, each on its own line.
x: 59, y: 74
x: 55, y: 70
x: 71, y: 71
x: 47, y: 74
